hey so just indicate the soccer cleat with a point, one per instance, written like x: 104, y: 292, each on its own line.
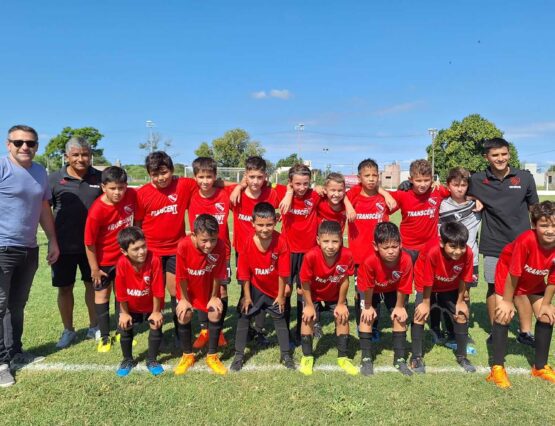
x: 237, y: 363
x: 202, y: 339
x: 366, y: 367
x: 155, y: 368
x: 526, y: 339
x: 346, y: 364
x: 125, y: 367
x: 221, y: 340
x: 104, y: 345
x: 186, y: 362
x: 545, y: 373
x: 466, y: 364
x: 417, y: 365
x: 498, y: 375
x: 401, y: 365
x: 287, y: 361
x: 307, y: 362
x: 67, y: 338
x: 213, y: 361
x: 318, y: 333
x: 92, y: 333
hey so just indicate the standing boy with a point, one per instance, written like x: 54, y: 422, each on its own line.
x: 441, y: 274
x: 325, y: 278
x: 263, y: 270
x: 200, y: 269
x: 110, y: 213
x: 522, y: 269
x: 140, y: 293
x: 385, y: 276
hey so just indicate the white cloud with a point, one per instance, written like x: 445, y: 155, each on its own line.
x: 274, y: 93
x: 259, y: 95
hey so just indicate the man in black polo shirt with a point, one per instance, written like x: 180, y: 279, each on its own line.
x: 506, y: 194
x: 74, y: 188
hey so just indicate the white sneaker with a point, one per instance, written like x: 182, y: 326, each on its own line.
x: 93, y: 333
x: 68, y: 337
x: 6, y: 377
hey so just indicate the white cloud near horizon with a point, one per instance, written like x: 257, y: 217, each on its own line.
x: 283, y: 94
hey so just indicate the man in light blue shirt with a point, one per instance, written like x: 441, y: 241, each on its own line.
x: 24, y: 203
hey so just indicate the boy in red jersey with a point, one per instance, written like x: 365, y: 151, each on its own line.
x: 161, y: 211
x: 140, y: 293
x: 385, y: 276
x: 441, y: 274
x: 214, y: 201
x: 335, y: 206
x: 110, y: 213
x: 325, y: 278
x: 200, y: 270
x: 521, y: 270
x: 263, y: 270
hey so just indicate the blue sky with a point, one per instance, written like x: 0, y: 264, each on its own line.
x: 367, y: 78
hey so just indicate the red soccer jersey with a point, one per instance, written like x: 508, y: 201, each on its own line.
x: 200, y: 270
x: 374, y: 273
x: 300, y: 223
x: 434, y: 269
x: 325, y: 280
x: 162, y: 212
x: 326, y: 212
x: 370, y: 211
x: 104, y: 221
x: 263, y: 269
x: 242, y: 215
x: 138, y: 288
x: 218, y: 206
x: 526, y: 259
x: 420, y: 216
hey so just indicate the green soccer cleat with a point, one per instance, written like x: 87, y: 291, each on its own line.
x: 307, y: 362
x: 346, y: 364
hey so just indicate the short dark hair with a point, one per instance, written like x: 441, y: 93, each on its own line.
x: 205, y: 164
x: 386, y: 231
x: 454, y: 233
x: 264, y: 210
x: 206, y: 223
x: 255, y: 163
x: 330, y: 227
x: 494, y: 143
x: 458, y: 174
x: 156, y: 160
x: 420, y: 167
x: 113, y: 174
x: 335, y: 177
x: 128, y: 236
x: 367, y: 163
x: 299, y: 170
x: 24, y: 128
x: 544, y: 209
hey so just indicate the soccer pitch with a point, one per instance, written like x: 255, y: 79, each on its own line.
x: 79, y: 385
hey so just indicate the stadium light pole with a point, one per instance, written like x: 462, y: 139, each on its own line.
x: 326, y: 150
x: 433, y: 133
x: 300, y: 129
x: 150, y: 124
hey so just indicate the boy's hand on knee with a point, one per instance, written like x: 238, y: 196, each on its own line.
x: 280, y: 303
x: 461, y: 310
x: 245, y: 305
x: 156, y: 319
x: 96, y: 276
x: 125, y: 321
x: 368, y: 315
x: 422, y: 312
x: 504, y: 312
x: 399, y: 314
x: 547, y: 312
x: 215, y: 304
x: 182, y: 308
x: 341, y: 313
x: 309, y: 313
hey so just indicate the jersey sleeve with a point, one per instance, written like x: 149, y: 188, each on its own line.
x: 365, y: 276
x: 243, y: 270
x: 229, y: 189
x: 307, y: 268
x: 443, y: 191
x: 284, y: 260
x: 121, y: 294
x: 281, y: 191
x: 551, y: 276
x: 220, y: 272
x: 140, y: 210
x: 351, y: 267
x: 354, y: 192
x: 405, y: 282
x: 180, y: 263
x: 158, y: 289
x: 521, y: 251
x: 424, y: 270
x: 92, y: 227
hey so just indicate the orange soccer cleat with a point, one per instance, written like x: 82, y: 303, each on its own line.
x: 213, y: 361
x: 221, y: 340
x: 186, y: 362
x: 545, y: 373
x: 499, y: 376
x: 202, y: 339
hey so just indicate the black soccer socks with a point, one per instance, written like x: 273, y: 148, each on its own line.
x: 499, y: 336
x: 103, y: 316
x: 126, y: 343
x: 342, y: 341
x: 365, y: 344
x: 154, y: 341
x: 185, y: 333
x: 461, y: 337
x: 416, y: 333
x: 399, y: 339
x: 306, y: 344
x: 214, y: 329
x: 543, y: 332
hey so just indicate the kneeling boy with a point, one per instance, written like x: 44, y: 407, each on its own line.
x: 521, y: 270
x: 263, y: 270
x: 201, y: 267
x: 325, y: 278
x: 385, y: 276
x: 441, y: 274
x: 140, y: 293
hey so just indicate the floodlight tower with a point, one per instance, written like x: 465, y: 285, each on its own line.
x: 150, y: 124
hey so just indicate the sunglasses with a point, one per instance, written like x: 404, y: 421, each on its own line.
x: 19, y: 143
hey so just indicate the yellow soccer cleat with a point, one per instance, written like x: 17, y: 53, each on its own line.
x: 546, y: 373
x: 307, y: 362
x: 104, y: 345
x: 202, y: 339
x: 186, y: 362
x: 213, y: 361
x: 346, y: 364
x: 499, y: 376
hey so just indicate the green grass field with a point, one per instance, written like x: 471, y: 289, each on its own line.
x: 79, y: 385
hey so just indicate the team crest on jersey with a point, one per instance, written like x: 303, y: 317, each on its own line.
x: 396, y: 275
x: 128, y: 209
x: 485, y: 181
x: 515, y: 180
x: 380, y: 207
x: 212, y: 258
x: 432, y: 201
x: 457, y: 269
x: 308, y: 203
x: 341, y: 268
x: 274, y: 256
x: 147, y: 279
x: 172, y: 198
x: 220, y: 207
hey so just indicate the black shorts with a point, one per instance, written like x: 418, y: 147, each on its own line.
x: 64, y: 271
x: 296, y: 263
x: 139, y: 317
x: 389, y: 299
x: 262, y: 302
x: 106, y: 281
x: 328, y: 306
x: 168, y: 263
x: 445, y: 301
x: 413, y: 254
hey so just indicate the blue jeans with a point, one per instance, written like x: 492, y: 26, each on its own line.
x: 17, y: 270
